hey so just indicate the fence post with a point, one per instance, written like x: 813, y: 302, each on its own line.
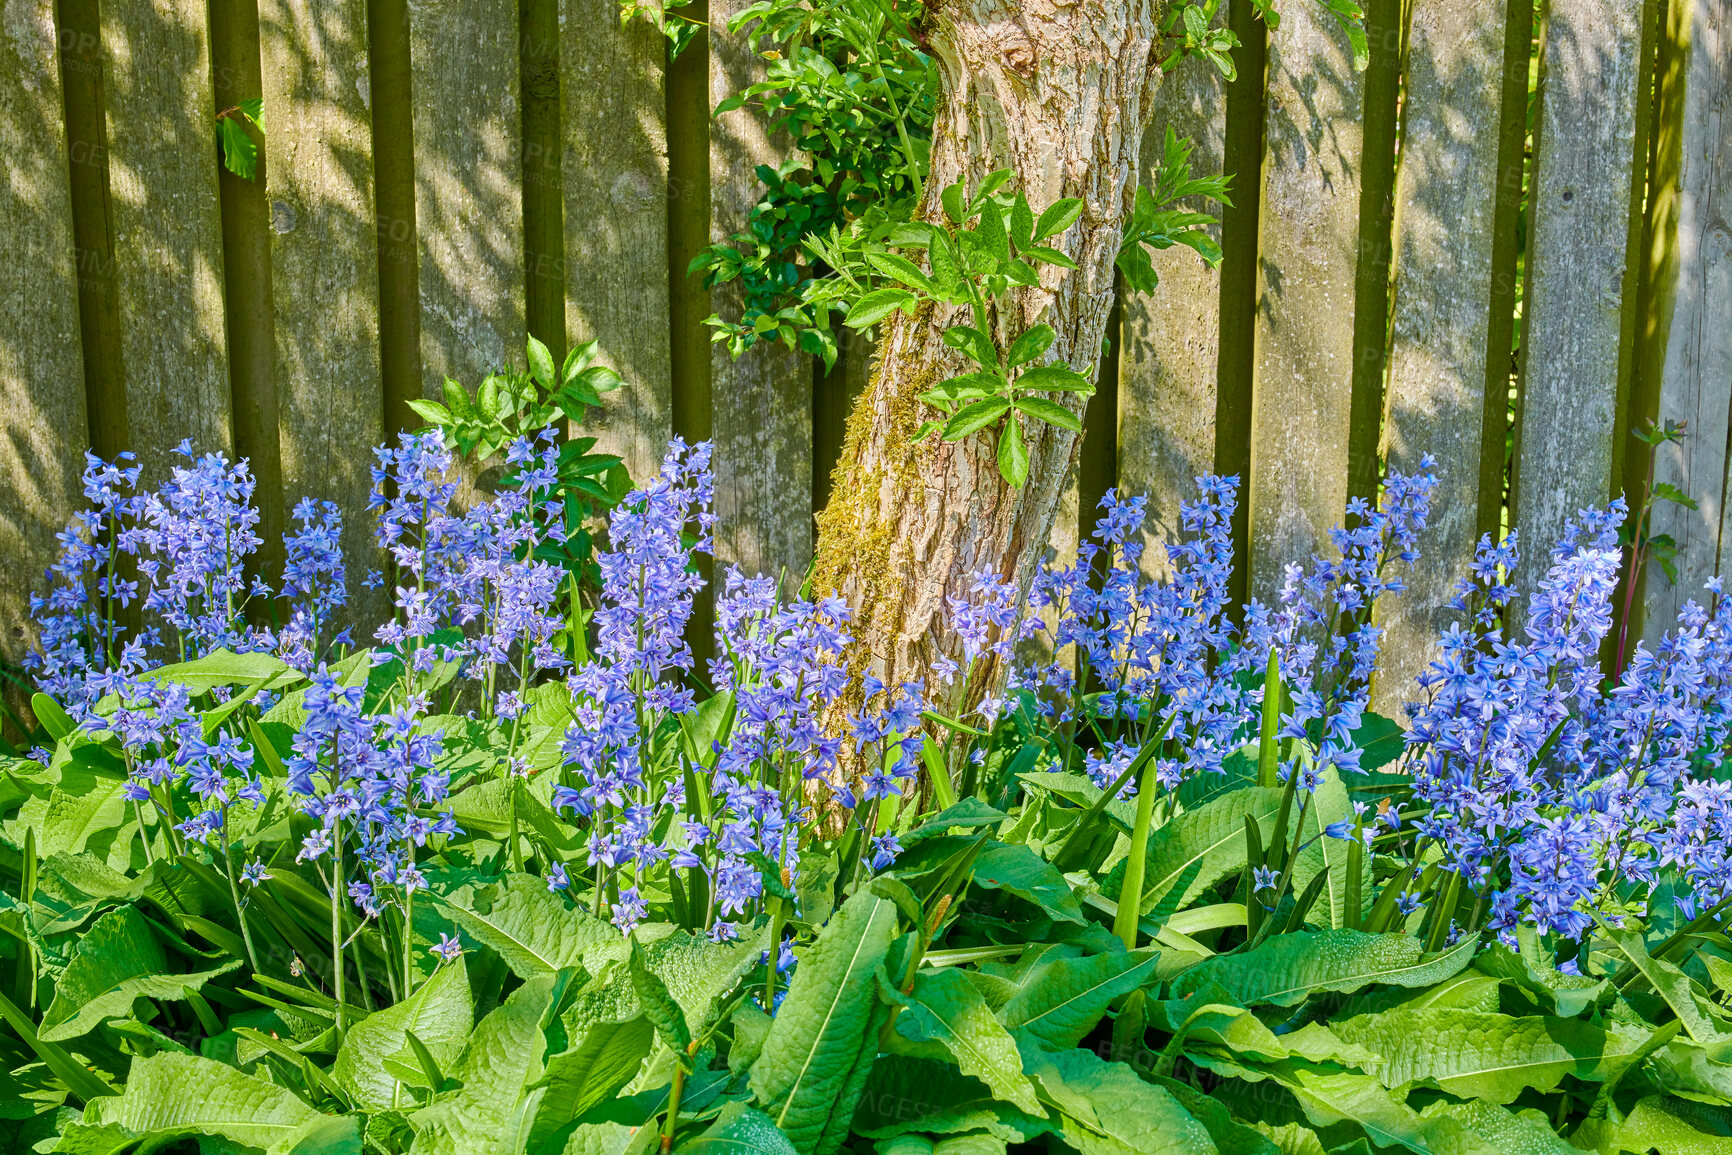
x: 615, y: 174
x: 1441, y: 384
x: 41, y: 377
x: 1579, y: 272
x: 167, y: 229
x: 324, y: 261
x: 760, y: 403
x: 1688, y: 345
x: 1170, y: 339
x: 468, y: 192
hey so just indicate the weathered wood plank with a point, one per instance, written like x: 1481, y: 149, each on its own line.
x: 41, y: 366
x: 1171, y: 338
x: 167, y: 228
x: 1446, y: 201
x: 1577, y: 261
x: 468, y: 191
x: 615, y: 175
x: 324, y: 257
x: 1309, y: 240
x: 1689, y: 350
x: 760, y: 403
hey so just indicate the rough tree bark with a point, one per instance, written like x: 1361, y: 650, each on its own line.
x: 1059, y: 93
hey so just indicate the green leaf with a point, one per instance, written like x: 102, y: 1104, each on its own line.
x: 1012, y: 454
x: 534, y: 930
x: 1231, y: 1137
x: 1198, y: 848
x: 1049, y: 412
x: 1055, y: 379
x: 1058, y: 217
x: 976, y: 344
x: 1031, y: 343
x: 1018, y: 870
x: 906, y: 1094
x: 659, y: 1006
x: 944, y: 1016
x: 1286, y: 969
x: 740, y: 1130
x: 824, y: 1038
x: 499, y: 1064
x: 1674, y: 1127
x: 1064, y: 998
x: 1665, y: 491
x: 117, y: 961
x: 590, y: 1073
x: 1534, y: 973
x: 1673, y: 985
x: 1507, y: 1132
x: 171, y: 1094
x: 1331, y: 1099
x: 440, y: 1013
x: 541, y: 364
x: 902, y: 269
x: 53, y: 719
x: 226, y: 668
x: 875, y: 306
x: 1107, y: 1110
x: 1475, y: 1055
x: 989, y: 232
x: 975, y: 417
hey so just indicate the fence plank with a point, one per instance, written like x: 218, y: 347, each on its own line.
x: 167, y: 228
x: 41, y: 367
x: 324, y: 257
x: 1309, y: 235
x: 1577, y: 283
x: 1690, y: 347
x: 1446, y: 202
x: 616, y: 223
x: 1171, y: 338
x: 468, y: 191
x: 760, y: 403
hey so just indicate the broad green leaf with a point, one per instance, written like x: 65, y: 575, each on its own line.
x: 1016, y: 869
x: 1231, y: 1137
x: 1531, y: 969
x: 902, y: 269
x: 1198, y: 848
x: 535, y: 931
x: 583, y: 1077
x: 1055, y: 378
x: 1675, y: 1127
x: 1012, y: 454
x: 740, y: 1130
x: 1064, y: 998
x: 1050, y: 412
x: 498, y: 1065
x: 1330, y: 1099
x: 85, y: 822
x: 658, y: 1005
x: 1672, y: 984
x: 823, y: 1040
x: 227, y: 668
x: 974, y: 417
x: 1284, y: 970
x: 117, y: 961
x: 945, y: 1015
x: 1031, y: 343
x: 875, y: 306
x: 1057, y: 217
x: 440, y: 1012
x: 1107, y: 1110
x: 171, y: 1094
x: 906, y: 1094
x: 1510, y: 1133
x: 1475, y: 1055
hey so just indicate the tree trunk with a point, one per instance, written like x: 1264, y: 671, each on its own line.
x: 1060, y: 94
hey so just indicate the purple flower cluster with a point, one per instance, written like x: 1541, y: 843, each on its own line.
x: 1546, y: 792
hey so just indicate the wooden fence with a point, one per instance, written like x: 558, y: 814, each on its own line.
x: 1431, y: 255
